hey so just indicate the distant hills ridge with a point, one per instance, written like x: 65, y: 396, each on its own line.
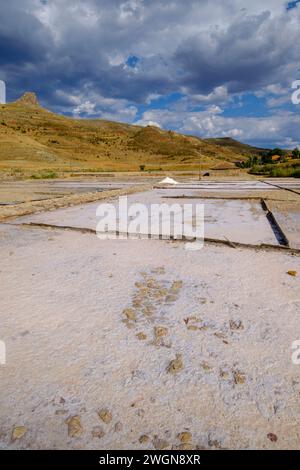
x: 33, y: 137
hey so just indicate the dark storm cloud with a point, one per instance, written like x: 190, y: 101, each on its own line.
x: 78, y: 54
x: 23, y: 39
x: 68, y: 44
x: 253, y: 51
x: 75, y: 49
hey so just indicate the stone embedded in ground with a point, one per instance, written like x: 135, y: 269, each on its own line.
x: 98, y: 432
x: 224, y: 374
x: 130, y: 314
x: 176, y: 286
x: 150, y: 293
x: 141, y: 336
x: 105, y: 415
x: 148, y: 310
x: 129, y: 325
x: 272, y: 437
x: 74, y: 426
x: 236, y: 325
x: 137, y: 303
x: 152, y: 284
x: 144, y: 291
x: 176, y: 365
x: 214, y: 443
x: 184, y: 436
x: 193, y: 327
x: 160, y: 331
x: 158, y: 294
x: 144, y: 439
x: 18, y: 432
x: 193, y: 319
x: 239, y: 377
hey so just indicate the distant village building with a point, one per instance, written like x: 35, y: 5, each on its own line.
x: 2, y: 92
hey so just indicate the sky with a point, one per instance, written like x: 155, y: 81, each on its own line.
x: 207, y: 68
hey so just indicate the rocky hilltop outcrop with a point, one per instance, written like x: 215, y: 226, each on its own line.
x: 28, y: 99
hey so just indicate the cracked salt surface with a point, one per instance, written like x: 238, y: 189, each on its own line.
x: 232, y: 318
x: 238, y: 221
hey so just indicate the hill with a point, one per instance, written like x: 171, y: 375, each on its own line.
x: 34, y: 138
x: 236, y: 146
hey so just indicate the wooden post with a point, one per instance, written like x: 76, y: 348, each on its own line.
x: 200, y: 165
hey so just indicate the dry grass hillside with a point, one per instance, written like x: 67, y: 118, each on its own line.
x: 235, y: 146
x: 34, y: 139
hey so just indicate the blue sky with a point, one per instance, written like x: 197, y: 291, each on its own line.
x: 212, y: 69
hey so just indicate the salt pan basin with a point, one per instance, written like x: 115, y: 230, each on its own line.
x: 232, y: 318
x: 235, y: 220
